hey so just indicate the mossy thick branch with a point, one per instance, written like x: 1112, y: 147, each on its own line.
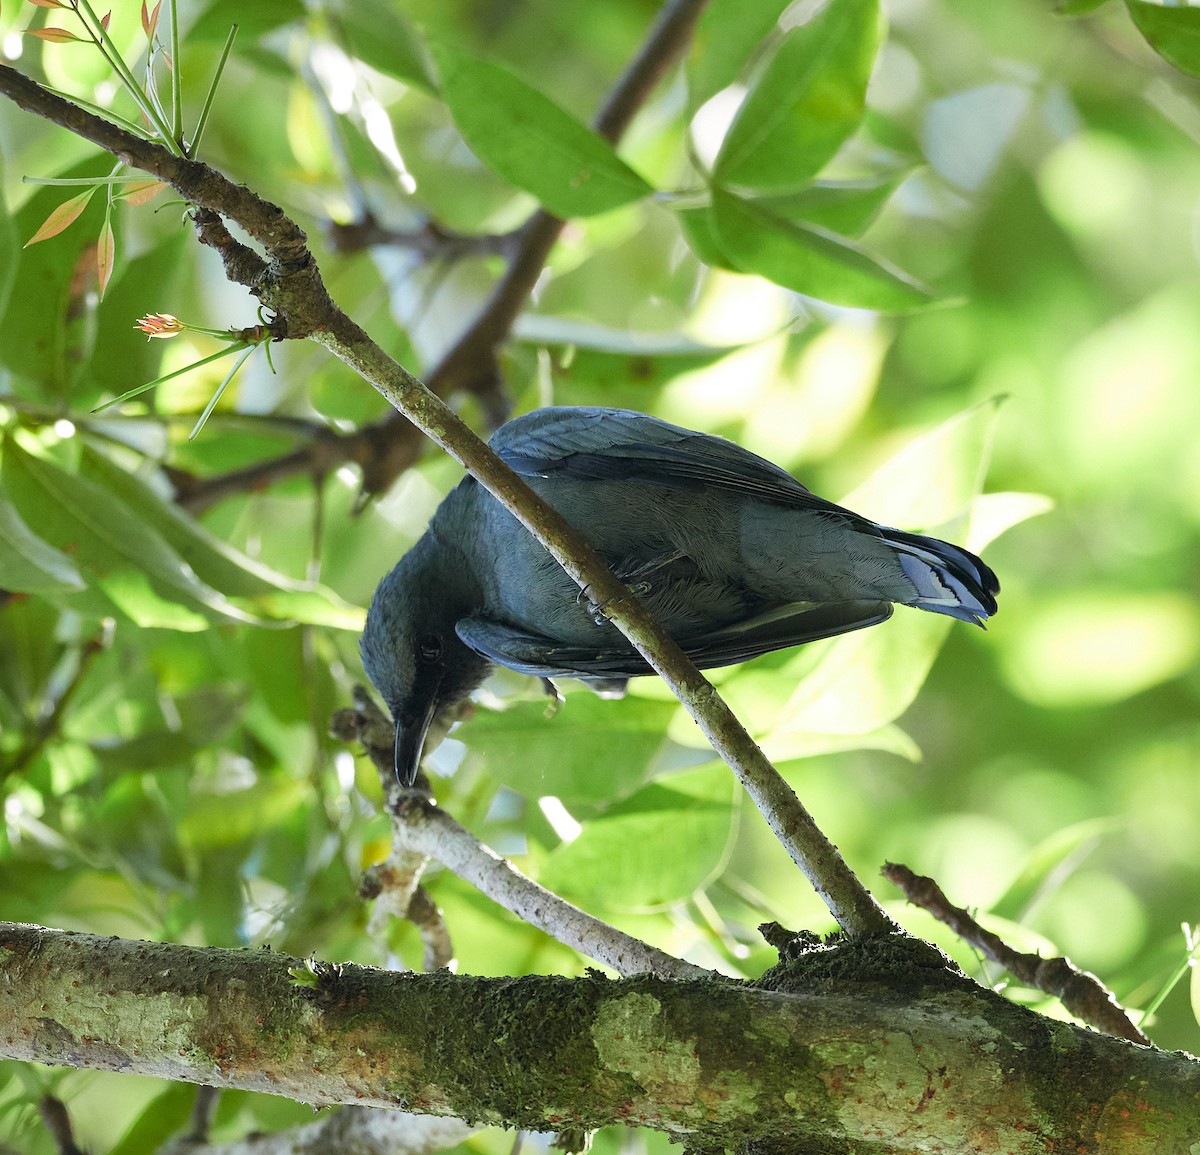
x: 870, y: 1045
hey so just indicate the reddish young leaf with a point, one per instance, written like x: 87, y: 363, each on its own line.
x: 151, y: 23
x: 105, y: 253
x: 142, y: 191
x: 54, y: 35
x: 61, y: 218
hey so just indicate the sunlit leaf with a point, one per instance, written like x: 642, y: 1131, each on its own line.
x: 27, y: 563
x: 1050, y: 861
x: 112, y: 544
x: 381, y: 35
x: 629, y: 857
x: 995, y: 513
x: 1173, y: 32
x: 536, y: 755
x: 865, y: 680
x: 248, y: 583
x: 806, y: 102
x: 727, y: 35
x: 843, y: 207
x: 809, y: 260
x: 933, y: 478
x: 532, y: 142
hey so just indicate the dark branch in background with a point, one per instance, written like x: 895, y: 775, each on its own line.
x: 430, y: 241
x: 289, y: 283
x: 1081, y: 992
x: 204, y: 1107
x: 386, y: 448
x: 58, y: 1123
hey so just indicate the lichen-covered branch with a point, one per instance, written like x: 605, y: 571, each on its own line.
x: 867, y: 1046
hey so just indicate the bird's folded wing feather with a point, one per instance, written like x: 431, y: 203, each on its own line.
x: 593, y: 444
x: 792, y: 625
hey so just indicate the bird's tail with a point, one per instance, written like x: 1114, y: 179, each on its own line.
x: 949, y: 580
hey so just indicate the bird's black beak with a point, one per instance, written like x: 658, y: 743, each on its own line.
x: 410, y: 740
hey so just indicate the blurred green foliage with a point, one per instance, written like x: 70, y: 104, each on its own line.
x: 166, y: 683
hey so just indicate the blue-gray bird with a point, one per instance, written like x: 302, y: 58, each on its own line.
x: 729, y: 552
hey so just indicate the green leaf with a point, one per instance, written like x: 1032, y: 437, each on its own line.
x: 1078, y: 7
x: 630, y: 857
x: 28, y: 564
x: 532, y: 142
x: 164, y: 1116
x: 844, y: 207
x: 382, y: 37
x: 806, y: 102
x: 1174, y: 33
x: 8, y: 248
x: 932, y: 480
x: 36, y: 322
x: 589, y: 751
x: 809, y: 260
x: 116, y: 549
x: 247, y: 583
x: 225, y: 819
x: 698, y: 230
x: 1050, y: 862
x: 726, y: 35
x: 253, y: 20
x: 122, y: 355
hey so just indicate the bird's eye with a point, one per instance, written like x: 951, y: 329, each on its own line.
x: 429, y: 647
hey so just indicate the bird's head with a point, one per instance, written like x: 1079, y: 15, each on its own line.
x: 410, y: 650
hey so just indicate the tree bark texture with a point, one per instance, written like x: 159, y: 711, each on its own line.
x: 870, y: 1046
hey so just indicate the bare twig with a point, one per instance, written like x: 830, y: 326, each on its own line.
x: 1081, y: 992
x: 422, y: 831
x: 430, y: 830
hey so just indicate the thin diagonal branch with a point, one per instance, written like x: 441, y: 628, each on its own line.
x: 421, y: 830
x: 291, y: 286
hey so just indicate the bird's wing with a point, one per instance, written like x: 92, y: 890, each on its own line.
x: 596, y: 444
x: 792, y: 625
